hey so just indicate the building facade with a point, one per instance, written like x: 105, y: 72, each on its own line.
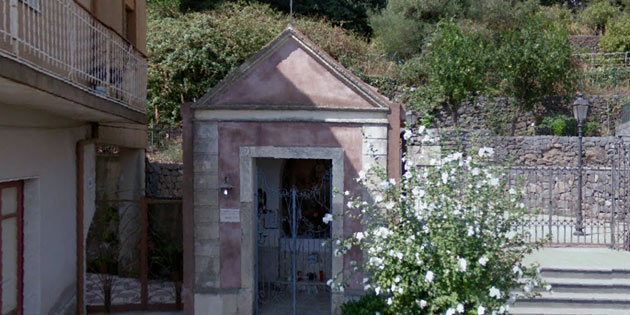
x: 72, y: 79
x: 269, y: 146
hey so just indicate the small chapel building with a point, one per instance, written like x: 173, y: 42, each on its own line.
x: 267, y: 153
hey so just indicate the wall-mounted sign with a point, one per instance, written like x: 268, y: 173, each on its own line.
x: 230, y: 215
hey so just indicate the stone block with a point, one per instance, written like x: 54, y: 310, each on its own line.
x: 230, y: 304
x: 206, y: 214
x: 206, y: 163
x: 374, y: 147
x: 206, y: 232
x: 374, y: 132
x: 207, y: 197
x: 209, y: 146
x: 206, y: 181
x: 208, y: 248
x: 208, y: 304
x: 206, y: 130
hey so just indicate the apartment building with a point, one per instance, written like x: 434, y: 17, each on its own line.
x: 72, y: 81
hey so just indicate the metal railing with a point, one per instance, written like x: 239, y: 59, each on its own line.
x: 549, y: 193
x: 621, y: 58
x: 62, y: 39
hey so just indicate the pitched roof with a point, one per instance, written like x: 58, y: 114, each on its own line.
x: 291, y: 72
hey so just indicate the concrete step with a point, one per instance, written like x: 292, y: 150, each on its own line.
x: 565, y: 311
x: 577, y: 285
x: 548, y: 273
x: 585, y: 300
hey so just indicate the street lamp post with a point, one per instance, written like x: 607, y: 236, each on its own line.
x: 580, y: 111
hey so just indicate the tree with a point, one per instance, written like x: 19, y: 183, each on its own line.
x: 456, y: 66
x: 533, y: 61
x: 617, y: 36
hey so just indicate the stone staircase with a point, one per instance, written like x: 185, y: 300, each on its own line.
x: 580, y: 291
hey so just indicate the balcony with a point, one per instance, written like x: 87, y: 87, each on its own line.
x: 64, y: 41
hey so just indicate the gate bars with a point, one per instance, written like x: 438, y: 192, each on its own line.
x: 310, y: 242
x: 117, y: 280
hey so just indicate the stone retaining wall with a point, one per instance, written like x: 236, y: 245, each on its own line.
x: 164, y: 180
x: 495, y: 114
x: 543, y: 162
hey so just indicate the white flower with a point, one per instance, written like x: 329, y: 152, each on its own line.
x: 475, y: 171
x: 362, y: 174
x: 417, y: 191
x: 548, y: 287
x: 471, y: 231
x: 486, y: 152
x: 377, y: 290
x: 450, y: 311
x: 483, y: 261
x: 350, y: 205
x: 389, y: 301
x: 527, y: 288
x: 385, y: 184
x: 421, y: 130
x: 327, y: 218
x: 495, y: 292
x: 397, y: 279
x: 494, y: 181
x: 444, y: 177
x: 359, y: 236
x: 378, y: 198
x: 329, y: 282
x: 481, y: 310
x: 422, y: 303
x: 512, y: 191
x: 518, y: 271
x: 346, y: 193
x: 429, y: 276
x: 460, y: 308
x: 462, y: 264
x: 390, y: 205
x: 407, y: 135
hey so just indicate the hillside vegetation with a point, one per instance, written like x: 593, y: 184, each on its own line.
x: 433, y: 55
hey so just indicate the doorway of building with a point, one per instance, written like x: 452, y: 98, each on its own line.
x: 294, y: 258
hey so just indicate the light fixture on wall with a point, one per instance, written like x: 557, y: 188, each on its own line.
x: 226, y: 188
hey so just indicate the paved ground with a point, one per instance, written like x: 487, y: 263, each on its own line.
x: 581, y: 258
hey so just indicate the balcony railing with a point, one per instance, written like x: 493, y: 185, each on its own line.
x: 61, y: 38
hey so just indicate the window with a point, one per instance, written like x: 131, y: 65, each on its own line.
x: 11, y: 225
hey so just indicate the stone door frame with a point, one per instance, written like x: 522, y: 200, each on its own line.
x: 248, y: 156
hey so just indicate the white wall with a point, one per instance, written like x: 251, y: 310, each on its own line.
x: 42, y: 150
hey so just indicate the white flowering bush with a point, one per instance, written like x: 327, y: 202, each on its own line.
x: 443, y: 239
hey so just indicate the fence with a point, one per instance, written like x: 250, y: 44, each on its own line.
x: 550, y: 193
x: 134, y: 256
x: 61, y: 38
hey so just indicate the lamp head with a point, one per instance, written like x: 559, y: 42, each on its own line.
x: 580, y: 108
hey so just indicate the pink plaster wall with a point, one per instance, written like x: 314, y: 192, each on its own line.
x: 233, y: 135
x: 290, y: 76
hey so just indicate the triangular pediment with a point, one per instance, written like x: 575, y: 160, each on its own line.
x: 293, y: 73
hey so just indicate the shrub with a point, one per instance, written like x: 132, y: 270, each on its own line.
x: 597, y: 15
x: 617, y: 36
x: 558, y: 125
x: 369, y: 304
x: 442, y: 239
x: 190, y: 53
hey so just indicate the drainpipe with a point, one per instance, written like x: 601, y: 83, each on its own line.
x: 188, y: 294
x: 80, y: 151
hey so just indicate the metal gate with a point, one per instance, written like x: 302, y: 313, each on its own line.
x: 134, y: 256
x: 293, y: 257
